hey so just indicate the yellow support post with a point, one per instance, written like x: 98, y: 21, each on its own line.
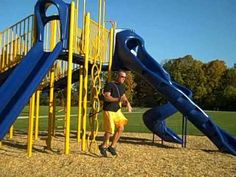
x: 1, y: 53
x: 36, y: 131
x: 11, y: 49
x: 77, y: 6
x: 83, y: 26
x: 85, y: 89
x: 104, y: 13
x: 11, y: 132
x: 99, y: 30
x: 34, y: 30
x: 31, y: 126
x: 18, y: 46
x: 112, y: 32
x: 8, y: 48
x: 51, y: 94
x: 69, y: 79
x: 80, y: 102
x: 27, y: 34
x: 54, y: 113
x: 15, y: 49
x: 50, y: 113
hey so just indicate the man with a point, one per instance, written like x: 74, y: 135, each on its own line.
x: 114, y: 95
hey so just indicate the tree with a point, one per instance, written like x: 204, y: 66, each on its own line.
x: 145, y: 94
x: 130, y: 85
x: 215, y: 72
x: 189, y: 73
x: 229, y: 91
x: 230, y: 77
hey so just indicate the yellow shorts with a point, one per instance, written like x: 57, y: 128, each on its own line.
x: 113, y: 119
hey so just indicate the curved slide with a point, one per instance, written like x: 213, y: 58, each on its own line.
x: 22, y: 82
x: 130, y: 54
x: 154, y: 119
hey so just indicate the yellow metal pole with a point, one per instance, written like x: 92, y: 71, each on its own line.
x: 36, y: 130
x: 34, y: 30
x: 28, y: 35
x: 83, y: 26
x: 11, y: 48
x: 11, y: 132
x: 100, y: 13
x: 76, y: 24
x: 77, y: 5
x: 99, y: 31
x: 54, y: 112
x: 112, y: 31
x: 31, y: 126
x: 18, y: 43
x: 50, y: 113
x: 85, y: 89
x: 53, y: 34
x: 1, y: 53
x: 80, y: 102
x: 8, y: 48
x: 69, y: 79
x: 15, y: 48
x: 51, y: 94
x: 104, y: 13
x: 25, y: 39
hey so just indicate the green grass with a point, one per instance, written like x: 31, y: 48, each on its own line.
x: 225, y: 120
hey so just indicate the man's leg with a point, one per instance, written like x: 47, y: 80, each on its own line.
x: 117, y: 135
x: 103, y: 147
x: 108, y: 127
x: 106, y: 139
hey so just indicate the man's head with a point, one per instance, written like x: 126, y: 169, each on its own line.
x: 121, y: 76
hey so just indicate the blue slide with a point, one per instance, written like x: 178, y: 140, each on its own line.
x: 130, y: 54
x: 23, y: 81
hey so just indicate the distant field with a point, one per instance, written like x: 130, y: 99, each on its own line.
x: 225, y: 120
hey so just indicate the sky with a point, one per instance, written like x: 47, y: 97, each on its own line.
x: 205, y: 29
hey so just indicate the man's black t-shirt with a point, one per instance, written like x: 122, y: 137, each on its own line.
x: 113, y: 88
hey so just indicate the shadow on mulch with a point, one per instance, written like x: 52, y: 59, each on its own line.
x: 210, y: 151
x: 43, y: 136
x: 139, y: 141
x: 22, y: 146
x: 18, y: 145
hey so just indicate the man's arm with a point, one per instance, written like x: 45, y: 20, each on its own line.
x: 128, y: 105
x: 109, y: 98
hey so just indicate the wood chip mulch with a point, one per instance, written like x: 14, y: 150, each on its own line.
x: 138, y: 156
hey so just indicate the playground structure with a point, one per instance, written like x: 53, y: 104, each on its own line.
x: 40, y: 51
x: 88, y: 49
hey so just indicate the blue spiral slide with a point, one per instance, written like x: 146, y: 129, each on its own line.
x: 130, y: 54
x: 22, y: 82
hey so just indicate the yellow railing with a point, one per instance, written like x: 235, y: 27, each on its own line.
x: 95, y: 49
x: 15, y: 42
